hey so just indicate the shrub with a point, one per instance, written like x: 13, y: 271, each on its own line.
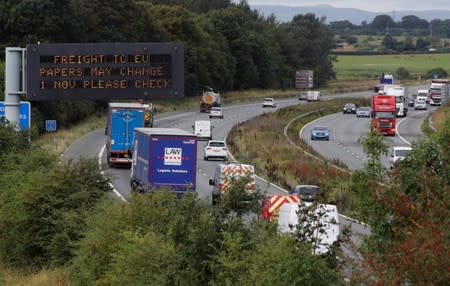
x: 402, y: 73
x: 439, y: 72
x: 42, y: 215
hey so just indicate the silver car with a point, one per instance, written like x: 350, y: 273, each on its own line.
x: 420, y: 104
x: 216, y: 112
x: 363, y: 111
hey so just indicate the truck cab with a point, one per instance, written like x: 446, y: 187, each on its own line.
x: 383, y: 114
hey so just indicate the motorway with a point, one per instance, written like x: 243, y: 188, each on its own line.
x: 345, y: 130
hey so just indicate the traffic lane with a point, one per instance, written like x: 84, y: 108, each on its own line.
x: 205, y: 170
x: 409, y: 128
x: 95, y: 140
x: 344, y: 130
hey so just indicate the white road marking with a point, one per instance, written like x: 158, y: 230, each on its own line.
x: 400, y: 122
x: 100, y: 156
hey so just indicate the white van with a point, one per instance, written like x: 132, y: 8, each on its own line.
x: 225, y: 174
x: 203, y: 129
x: 327, y: 231
x: 397, y: 154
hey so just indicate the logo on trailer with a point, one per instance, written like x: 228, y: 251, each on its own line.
x: 127, y: 116
x: 172, y: 156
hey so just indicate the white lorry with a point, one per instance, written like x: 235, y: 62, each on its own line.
x: 422, y: 95
x: 226, y: 174
x: 323, y: 219
x: 439, y: 91
x: 401, y: 93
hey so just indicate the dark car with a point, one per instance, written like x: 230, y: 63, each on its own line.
x: 306, y: 192
x: 349, y: 108
x: 320, y: 132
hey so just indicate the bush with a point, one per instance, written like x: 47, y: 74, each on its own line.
x: 402, y: 73
x: 42, y: 215
x: 440, y: 72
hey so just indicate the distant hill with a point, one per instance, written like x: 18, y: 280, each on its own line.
x: 355, y: 16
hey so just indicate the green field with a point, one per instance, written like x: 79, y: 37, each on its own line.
x: 371, y: 66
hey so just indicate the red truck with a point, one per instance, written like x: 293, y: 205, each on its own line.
x: 383, y: 114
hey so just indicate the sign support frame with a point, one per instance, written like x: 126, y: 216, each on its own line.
x: 14, y: 83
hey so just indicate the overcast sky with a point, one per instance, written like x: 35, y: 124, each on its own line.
x: 372, y: 5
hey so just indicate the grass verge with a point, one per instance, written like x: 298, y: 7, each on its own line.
x: 281, y: 163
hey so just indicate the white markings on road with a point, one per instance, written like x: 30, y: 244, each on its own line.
x: 400, y: 122
x: 100, y: 156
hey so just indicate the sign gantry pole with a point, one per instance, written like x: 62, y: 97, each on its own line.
x: 14, y: 83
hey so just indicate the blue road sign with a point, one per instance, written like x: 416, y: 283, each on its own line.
x: 50, y: 125
x: 25, y: 114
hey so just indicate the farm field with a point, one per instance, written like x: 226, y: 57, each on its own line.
x: 350, y: 67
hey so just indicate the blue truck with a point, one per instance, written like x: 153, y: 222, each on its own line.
x: 164, y: 159
x: 122, y: 118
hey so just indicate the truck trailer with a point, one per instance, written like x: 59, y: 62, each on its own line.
x: 383, y: 114
x: 401, y: 94
x: 164, y: 159
x: 438, y: 91
x: 208, y: 100
x: 122, y: 118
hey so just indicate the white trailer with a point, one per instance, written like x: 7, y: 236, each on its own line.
x: 401, y: 94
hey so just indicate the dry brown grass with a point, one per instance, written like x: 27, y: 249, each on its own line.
x: 42, y: 278
x: 58, y: 141
x: 440, y: 115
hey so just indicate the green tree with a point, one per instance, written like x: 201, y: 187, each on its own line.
x: 408, y: 213
x: 114, y: 21
x: 42, y: 215
x: 402, y: 73
x: 411, y: 22
x: 389, y: 42
x: 422, y: 44
x: 234, y: 24
x: 312, y: 42
x: 382, y: 23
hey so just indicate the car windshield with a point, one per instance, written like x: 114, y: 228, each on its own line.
x: 364, y: 109
x: 320, y: 128
x: 215, y: 109
x: 349, y: 105
x: 217, y: 144
x: 306, y: 189
x: 401, y: 152
x: 268, y: 99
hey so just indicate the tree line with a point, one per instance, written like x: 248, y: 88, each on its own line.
x: 428, y: 34
x: 228, y: 46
